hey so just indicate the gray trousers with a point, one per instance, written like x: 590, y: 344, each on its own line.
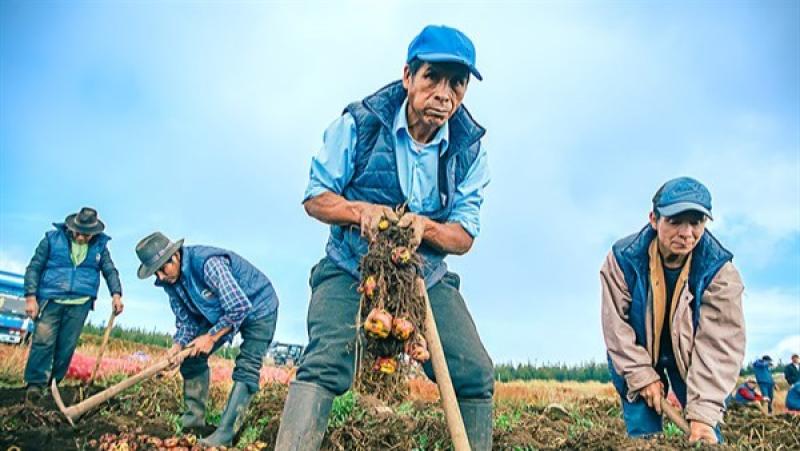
x: 54, y: 341
x: 256, y: 336
x: 329, y: 359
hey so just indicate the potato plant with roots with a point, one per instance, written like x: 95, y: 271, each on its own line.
x: 390, y: 340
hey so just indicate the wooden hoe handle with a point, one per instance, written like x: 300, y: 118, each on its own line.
x: 74, y: 412
x: 107, y: 333
x: 674, y: 415
x: 455, y: 424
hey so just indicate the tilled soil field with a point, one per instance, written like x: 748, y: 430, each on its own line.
x: 145, y: 417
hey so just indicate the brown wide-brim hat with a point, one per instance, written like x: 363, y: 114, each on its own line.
x: 153, y: 251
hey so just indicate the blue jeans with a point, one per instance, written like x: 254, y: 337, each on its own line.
x: 640, y: 419
x: 54, y: 341
x: 767, y: 389
x: 256, y: 336
x: 329, y: 359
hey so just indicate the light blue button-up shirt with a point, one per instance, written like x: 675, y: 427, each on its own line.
x: 417, y: 167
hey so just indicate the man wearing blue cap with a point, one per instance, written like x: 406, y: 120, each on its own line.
x: 672, y: 315
x: 410, y: 142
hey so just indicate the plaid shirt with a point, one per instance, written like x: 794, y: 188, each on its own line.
x: 188, y: 319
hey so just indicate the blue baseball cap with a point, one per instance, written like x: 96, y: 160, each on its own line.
x: 443, y: 44
x: 680, y: 195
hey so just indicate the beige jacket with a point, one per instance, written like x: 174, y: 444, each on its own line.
x: 709, y: 361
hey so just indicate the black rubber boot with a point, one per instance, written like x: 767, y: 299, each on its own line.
x: 305, y: 417
x: 478, y: 421
x: 232, y: 417
x: 195, y: 395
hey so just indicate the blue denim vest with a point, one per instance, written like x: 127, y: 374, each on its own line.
x: 631, y: 253
x: 61, y: 279
x: 253, y: 282
x: 375, y: 178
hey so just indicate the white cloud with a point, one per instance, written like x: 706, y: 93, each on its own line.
x: 769, y: 315
x: 786, y: 347
x: 10, y: 264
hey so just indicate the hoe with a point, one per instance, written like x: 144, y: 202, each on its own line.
x: 455, y: 424
x: 74, y: 412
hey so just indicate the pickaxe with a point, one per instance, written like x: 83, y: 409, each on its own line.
x: 455, y: 424
x: 74, y: 412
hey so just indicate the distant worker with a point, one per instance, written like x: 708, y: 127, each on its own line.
x: 763, y: 370
x: 214, y: 294
x: 792, y: 370
x: 746, y: 393
x: 793, y: 398
x: 61, y: 285
x: 672, y: 315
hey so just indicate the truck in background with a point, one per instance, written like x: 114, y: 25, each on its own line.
x: 15, y: 326
x: 284, y: 354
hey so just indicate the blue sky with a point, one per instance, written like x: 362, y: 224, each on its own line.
x: 199, y: 119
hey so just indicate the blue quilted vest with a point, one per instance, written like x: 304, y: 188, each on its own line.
x: 61, y: 279
x: 253, y: 282
x: 632, y: 256
x: 375, y: 178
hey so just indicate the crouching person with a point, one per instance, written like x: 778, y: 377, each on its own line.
x: 61, y: 285
x: 672, y: 315
x: 745, y: 394
x: 214, y: 294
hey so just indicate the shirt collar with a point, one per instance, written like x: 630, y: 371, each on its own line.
x: 401, y: 123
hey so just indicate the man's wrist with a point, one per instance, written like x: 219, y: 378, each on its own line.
x: 701, y: 423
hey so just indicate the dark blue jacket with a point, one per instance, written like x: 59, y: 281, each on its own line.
x: 631, y: 253
x: 793, y: 397
x: 791, y: 373
x: 375, y: 178
x: 52, y: 275
x: 763, y: 372
x: 254, y: 283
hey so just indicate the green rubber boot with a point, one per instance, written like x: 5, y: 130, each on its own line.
x: 195, y: 395
x: 232, y: 417
x: 305, y: 417
x: 477, y: 415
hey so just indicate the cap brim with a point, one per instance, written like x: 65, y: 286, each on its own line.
x: 146, y: 271
x: 681, y: 207
x: 448, y: 58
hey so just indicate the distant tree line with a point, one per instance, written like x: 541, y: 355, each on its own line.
x: 582, y: 372
x: 749, y: 371
x: 149, y: 337
x: 504, y: 372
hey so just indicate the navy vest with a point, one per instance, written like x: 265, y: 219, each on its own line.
x: 61, y: 279
x: 253, y: 282
x: 375, y: 178
x: 631, y: 253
